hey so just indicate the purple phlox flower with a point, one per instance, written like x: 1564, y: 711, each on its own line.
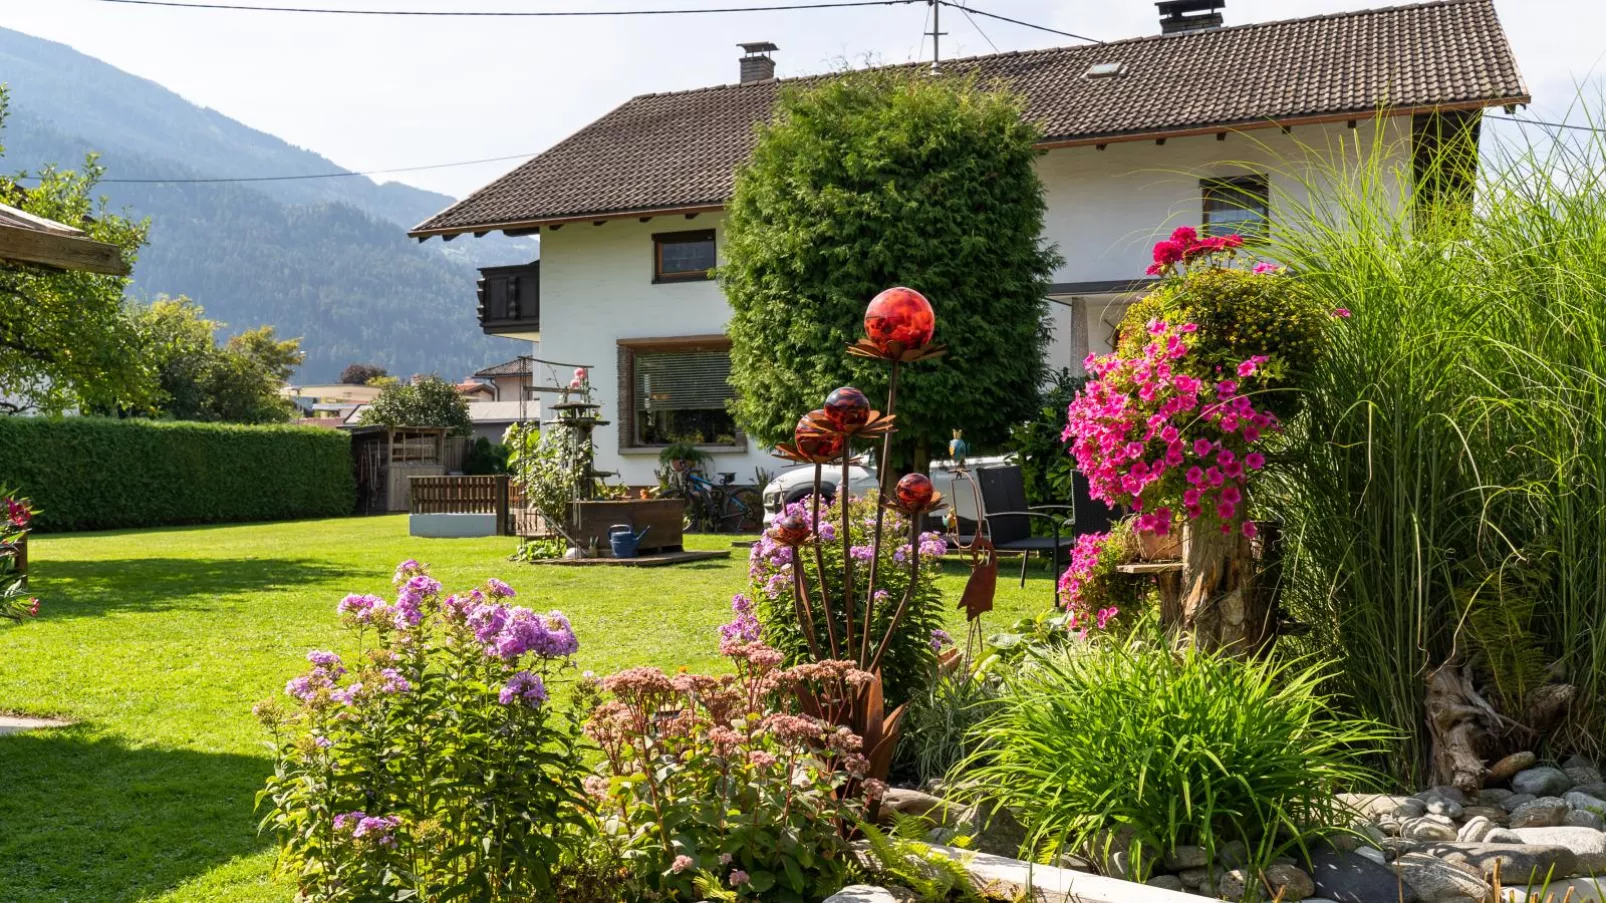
x: 940, y: 639
x: 327, y: 661
x: 377, y: 830
x: 322, y: 742
x: 349, y: 819
x: 406, y: 570
x: 498, y: 588
x: 487, y: 620
x: 523, y: 686
x: 933, y: 545
x: 827, y: 532
x: 862, y: 553
x: 358, y: 607
x: 393, y: 682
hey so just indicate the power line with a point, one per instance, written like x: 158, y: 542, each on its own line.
x: 983, y: 12
x: 1554, y: 125
x: 318, y: 175
x: 973, y: 24
x: 183, y: 4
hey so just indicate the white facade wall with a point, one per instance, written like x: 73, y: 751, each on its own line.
x: 1106, y: 208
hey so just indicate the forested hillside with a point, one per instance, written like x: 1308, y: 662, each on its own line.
x: 325, y: 259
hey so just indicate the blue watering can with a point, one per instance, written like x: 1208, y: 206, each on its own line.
x: 623, y: 541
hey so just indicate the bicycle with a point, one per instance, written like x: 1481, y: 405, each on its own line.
x: 718, y: 508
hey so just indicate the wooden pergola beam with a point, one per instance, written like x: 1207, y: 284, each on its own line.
x: 19, y: 244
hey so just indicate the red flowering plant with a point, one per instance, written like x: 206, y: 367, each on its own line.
x: 1175, y: 423
x: 724, y: 786
x: 15, y: 603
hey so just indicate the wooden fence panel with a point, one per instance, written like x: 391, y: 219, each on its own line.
x: 462, y: 495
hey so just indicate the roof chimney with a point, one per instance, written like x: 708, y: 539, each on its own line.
x: 1179, y: 16
x: 757, y: 64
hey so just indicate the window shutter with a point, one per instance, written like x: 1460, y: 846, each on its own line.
x: 682, y: 380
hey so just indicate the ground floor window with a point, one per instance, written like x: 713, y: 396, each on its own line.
x: 677, y: 391
x: 1239, y: 206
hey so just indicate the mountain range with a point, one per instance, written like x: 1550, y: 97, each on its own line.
x: 325, y: 259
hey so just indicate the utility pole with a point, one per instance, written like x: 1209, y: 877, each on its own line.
x: 936, y: 34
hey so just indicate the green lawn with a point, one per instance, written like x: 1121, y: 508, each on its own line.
x: 156, y: 643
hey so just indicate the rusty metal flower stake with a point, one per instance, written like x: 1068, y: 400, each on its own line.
x: 899, y: 325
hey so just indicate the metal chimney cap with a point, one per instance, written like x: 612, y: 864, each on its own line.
x: 758, y: 47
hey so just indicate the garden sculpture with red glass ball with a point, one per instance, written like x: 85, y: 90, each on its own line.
x: 847, y: 409
x: 899, y: 319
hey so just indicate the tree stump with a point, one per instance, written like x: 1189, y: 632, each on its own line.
x: 1220, y: 608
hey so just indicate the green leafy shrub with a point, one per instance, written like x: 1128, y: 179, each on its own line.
x: 1107, y: 741
x: 434, y: 767
x: 722, y: 779
x: 938, y: 724
x: 907, y: 665
x: 900, y: 857
x: 1045, y: 464
x: 1240, y: 315
x: 884, y: 178
x: 89, y: 473
x: 485, y: 457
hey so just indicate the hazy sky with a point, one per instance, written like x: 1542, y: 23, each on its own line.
x: 372, y: 92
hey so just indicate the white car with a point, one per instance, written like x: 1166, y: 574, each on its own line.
x: 796, y: 483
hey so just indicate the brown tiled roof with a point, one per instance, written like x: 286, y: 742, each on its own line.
x: 679, y: 151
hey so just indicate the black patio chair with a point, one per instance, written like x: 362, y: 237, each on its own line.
x: 1007, y: 518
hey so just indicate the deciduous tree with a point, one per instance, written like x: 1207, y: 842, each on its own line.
x: 426, y: 401
x: 64, y: 341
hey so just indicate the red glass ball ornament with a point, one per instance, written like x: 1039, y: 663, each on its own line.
x: 914, y: 492
x: 790, y: 530
x: 900, y: 315
x: 847, y: 408
x: 815, y: 442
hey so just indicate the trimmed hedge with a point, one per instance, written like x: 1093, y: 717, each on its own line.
x: 91, y: 473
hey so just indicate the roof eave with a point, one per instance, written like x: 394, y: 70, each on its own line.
x: 423, y: 231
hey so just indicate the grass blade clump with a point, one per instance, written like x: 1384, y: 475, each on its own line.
x: 1139, y: 749
x: 1458, y: 428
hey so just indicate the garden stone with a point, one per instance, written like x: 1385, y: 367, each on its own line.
x: 1577, y: 761
x: 1186, y: 856
x: 862, y: 893
x: 1291, y: 881
x: 1545, y: 812
x: 1443, y: 792
x: 1502, y: 835
x: 1516, y: 799
x: 1495, y: 814
x: 1357, y: 878
x: 1233, y: 854
x: 1541, y: 781
x: 1491, y: 796
x: 1193, y: 877
x: 1395, y: 847
x: 1374, y: 805
x: 1587, y: 844
x: 1598, y: 791
x: 1586, y: 802
x: 1074, y: 863
x: 1444, y: 807
x: 1583, y: 818
x: 1518, y: 862
x: 1508, y: 767
x: 1436, y: 881
x: 1583, y: 775
x: 1475, y: 829
x: 1165, y: 882
x: 1373, y: 854
x: 920, y: 805
x: 1428, y: 827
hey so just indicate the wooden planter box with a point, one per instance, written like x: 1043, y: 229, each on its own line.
x: 666, y: 517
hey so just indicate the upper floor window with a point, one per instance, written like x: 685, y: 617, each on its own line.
x: 1240, y: 205
x: 683, y: 256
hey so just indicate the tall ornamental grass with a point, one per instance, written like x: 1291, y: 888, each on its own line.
x: 1452, y: 506
x: 1106, y: 749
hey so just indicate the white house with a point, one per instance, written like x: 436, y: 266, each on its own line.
x: 1198, y: 124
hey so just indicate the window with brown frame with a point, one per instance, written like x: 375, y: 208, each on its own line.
x: 683, y: 256
x: 676, y: 390
x: 1240, y: 205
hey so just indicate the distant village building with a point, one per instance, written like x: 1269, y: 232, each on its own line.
x: 1192, y: 126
